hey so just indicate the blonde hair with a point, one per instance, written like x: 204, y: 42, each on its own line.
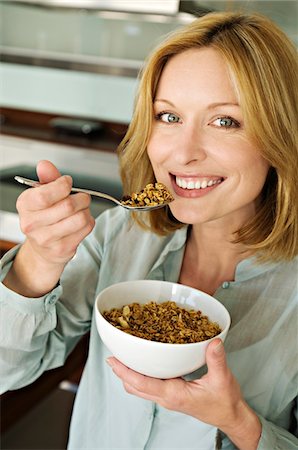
x: 263, y: 62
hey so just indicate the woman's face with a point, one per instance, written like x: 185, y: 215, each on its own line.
x: 199, y: 147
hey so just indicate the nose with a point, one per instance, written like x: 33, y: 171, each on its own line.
x: 191, y: 145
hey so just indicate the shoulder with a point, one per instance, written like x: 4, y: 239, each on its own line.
x: 282, y: 282
x: 277, y: 284
x: 284, y: 274
x: 273, y: 271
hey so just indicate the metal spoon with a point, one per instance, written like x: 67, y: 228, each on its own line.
x: 35, y: 183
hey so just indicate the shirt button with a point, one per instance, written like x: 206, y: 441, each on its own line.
x: 225, y: 285
x: 52, y: 300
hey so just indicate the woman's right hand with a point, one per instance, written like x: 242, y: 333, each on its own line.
x: 54, y: 223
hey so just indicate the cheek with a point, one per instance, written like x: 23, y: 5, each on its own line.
x: 244, y: 159
x: 156, y: 151
x: 257, y: 172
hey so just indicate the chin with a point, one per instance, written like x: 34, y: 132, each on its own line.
x: 189, y: 217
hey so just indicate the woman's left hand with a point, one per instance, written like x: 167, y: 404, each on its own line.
x: 215, y: 398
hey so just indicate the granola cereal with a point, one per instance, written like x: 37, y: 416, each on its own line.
x: 163, y: 322
x: 152, y: 195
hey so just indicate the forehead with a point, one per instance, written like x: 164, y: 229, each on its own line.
x: 197, y: 69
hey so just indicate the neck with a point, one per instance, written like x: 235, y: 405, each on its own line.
x: 210, y: 258
x: 216, y: 245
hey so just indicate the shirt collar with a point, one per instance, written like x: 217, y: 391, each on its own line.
x: 250, y: 268
x: 246, y: 269
x: 175, y: 242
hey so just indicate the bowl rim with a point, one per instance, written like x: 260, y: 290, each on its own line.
x: 156, y: 343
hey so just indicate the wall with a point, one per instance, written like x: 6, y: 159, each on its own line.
x: 57, y: 91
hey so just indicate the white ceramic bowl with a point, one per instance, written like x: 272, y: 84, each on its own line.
x: 157, y: 359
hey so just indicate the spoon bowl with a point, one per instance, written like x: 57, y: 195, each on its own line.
x: 35, y: 183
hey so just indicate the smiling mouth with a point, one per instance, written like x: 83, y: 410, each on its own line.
x: 196, y: 183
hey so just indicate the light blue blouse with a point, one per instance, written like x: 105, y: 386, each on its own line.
x: 38, y: 334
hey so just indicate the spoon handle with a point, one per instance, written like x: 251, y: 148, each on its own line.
x: 35, y: 183
x: 26, y: 181
x: 96, y: 194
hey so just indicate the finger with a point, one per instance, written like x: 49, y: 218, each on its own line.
x: 46, y: 171
x: 142, y: 385
x: 67, y: 207
x: 59, y: 211
x: 47, y: 235
x: 131, y: 390
x: 64, y: 249
x: 216, y: 360
x: 44, y: 196
x: 166, y: 393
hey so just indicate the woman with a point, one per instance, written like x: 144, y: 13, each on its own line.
x: 215, y: 120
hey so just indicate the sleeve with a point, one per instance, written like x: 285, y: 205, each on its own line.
x: 273, y: 437
x: 277, y: 438
x: 37, y: 334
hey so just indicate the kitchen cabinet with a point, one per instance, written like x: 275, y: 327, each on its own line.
x: 17, y: 404
x: 5, y: 246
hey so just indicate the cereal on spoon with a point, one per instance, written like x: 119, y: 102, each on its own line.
x: 153, y: 194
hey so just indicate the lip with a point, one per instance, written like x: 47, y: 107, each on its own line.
x: 195, y: 175
x: 193, y: 193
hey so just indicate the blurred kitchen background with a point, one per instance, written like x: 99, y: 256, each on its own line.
x: 68, y: 77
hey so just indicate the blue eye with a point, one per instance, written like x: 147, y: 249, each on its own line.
x: 168, y: 117
x: 226, y: 122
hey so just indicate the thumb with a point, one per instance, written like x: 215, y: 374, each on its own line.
x: 46, y: 171
x: 216, y: 359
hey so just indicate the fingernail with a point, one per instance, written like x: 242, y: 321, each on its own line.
x: 219, y: 348
x: 109, y: 361
x: 68, y: 178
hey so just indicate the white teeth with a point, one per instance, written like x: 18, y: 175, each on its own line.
x: 196, y: 184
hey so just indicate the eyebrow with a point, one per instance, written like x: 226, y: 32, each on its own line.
x: 211, y: 106
x: 161, y: 100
